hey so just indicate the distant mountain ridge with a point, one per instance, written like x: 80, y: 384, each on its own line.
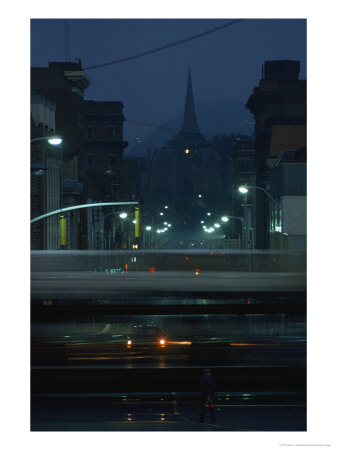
x: 224, y: 117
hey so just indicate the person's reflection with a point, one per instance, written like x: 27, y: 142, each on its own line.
x: 207, y: 390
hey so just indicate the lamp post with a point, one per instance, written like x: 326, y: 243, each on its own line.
x: 242, y: 221
x: 247, y: 215
x: 145, y: 240
x: 87, y: 205
x: 244, y: 190
x: 122, y: 215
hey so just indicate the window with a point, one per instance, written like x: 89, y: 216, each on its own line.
x: 116, y: 132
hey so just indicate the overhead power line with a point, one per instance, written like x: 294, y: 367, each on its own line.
x: 157, y: 126
x: 173, y: 129
x: 151, y: 125
x: 139, y: 55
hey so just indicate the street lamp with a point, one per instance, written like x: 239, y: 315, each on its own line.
x: 122, y: 215
x: 241, y: 219
x: 147, y: 228
x: 52, y: 140
x: 244, y: 190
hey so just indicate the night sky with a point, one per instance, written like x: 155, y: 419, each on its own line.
x: 225, y: 65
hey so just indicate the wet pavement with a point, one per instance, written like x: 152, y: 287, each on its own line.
x: 174, y: 411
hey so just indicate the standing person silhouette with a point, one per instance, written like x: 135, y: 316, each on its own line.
x: 207, y: 389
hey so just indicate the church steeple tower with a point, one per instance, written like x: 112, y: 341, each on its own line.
x: 190, y: 125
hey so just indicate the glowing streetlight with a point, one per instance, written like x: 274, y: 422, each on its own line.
x: 224, y: 218
x: 243, y: 190
x: 52, y: 140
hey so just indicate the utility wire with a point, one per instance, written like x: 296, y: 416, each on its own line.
x: 139, y: 55
x: 174, y: 129
x: 151, y: 125
x: 157, y: 126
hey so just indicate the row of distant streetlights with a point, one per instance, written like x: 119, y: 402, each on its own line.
x: 57, y: 140
x: 244, y: 220
x: 216, y: 225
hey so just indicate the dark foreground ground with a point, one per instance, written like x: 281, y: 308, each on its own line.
x: 172, y: 411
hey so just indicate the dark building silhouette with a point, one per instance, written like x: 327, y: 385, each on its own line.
x: 63, y: 83
x: 45, y: 181
x: 107, y: 176
x: 279, y: 108
x: 102, y: 155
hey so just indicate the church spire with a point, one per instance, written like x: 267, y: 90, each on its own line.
x: 190, y: 121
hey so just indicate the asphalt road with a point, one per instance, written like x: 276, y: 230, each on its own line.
x: 196, y: 351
